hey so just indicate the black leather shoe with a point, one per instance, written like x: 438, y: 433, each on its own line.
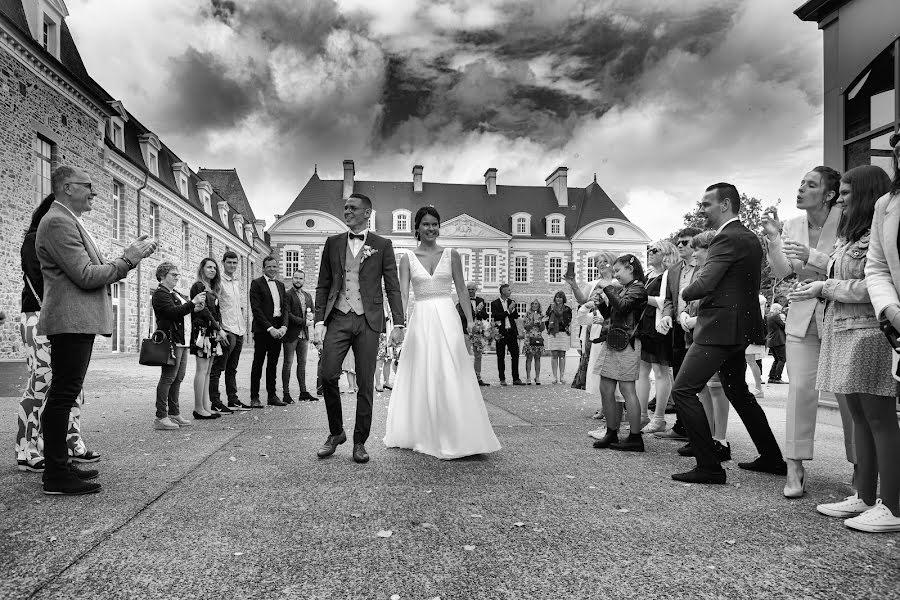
x: 610, y: 437
x: 503, y: 383
x: 287, y: 399
x: 518, y: 382
x: 359, y: 453
x: 84, y: 474
x: 202, y: 417
x: 764, y: 465
x: 483, y: 383
x: 274, y: 401
x: 633, y: 443
x: 698, y: 475
x: 70, y: 485
x: 331, y: 444
x: 306, y: 396
x: 255, y: 403
x: 686, y: 450
x: 723, y: 451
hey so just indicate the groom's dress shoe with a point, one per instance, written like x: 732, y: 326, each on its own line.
x: 331, y: 444
x: 255, y: 403
x: 274, y: 401
x: 359, y: 453
x: 765, y: 465
x: 698, y: 475
x: 287, y: 398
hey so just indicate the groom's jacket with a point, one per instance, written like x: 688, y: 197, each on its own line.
x: 377, y: 262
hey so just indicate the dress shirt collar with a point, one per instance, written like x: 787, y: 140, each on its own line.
x: 725, y: 224
x: 227, y: 277
x: 68, y: 209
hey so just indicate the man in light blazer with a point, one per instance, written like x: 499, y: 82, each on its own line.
x: 267, y: 306
x: 728, y: 319
x: 77, y: 306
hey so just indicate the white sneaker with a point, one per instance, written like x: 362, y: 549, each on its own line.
x: 759, y: 393
x: 164, y: 423
x: 180, y: 421
x: 597, y: 433
x: 654, y: 425
x: 850, y: 506
x: 878, y: 519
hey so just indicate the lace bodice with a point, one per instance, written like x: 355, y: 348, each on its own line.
x: 430, y: 287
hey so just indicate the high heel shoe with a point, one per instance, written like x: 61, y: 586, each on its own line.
x: 790, y: 492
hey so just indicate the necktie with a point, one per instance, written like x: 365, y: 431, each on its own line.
x: 357, y: 236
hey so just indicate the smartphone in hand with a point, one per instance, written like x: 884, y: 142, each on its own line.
x: 570, y: 270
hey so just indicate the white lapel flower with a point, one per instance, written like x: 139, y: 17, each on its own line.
x: 367, y: 251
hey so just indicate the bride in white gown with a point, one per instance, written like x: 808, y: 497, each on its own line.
x: 436, y: 406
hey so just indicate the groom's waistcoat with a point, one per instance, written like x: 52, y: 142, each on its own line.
x: 350, y: 299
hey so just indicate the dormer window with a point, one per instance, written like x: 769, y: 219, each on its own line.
x: 556, y: 225
x: 150, y: 148
x: 117, y: 124
x: 521, y: 223
x: 45, y: 19
x: 181, y: 172
x: 401, y: 221
x: 223, y: 212
x: 204, y: 192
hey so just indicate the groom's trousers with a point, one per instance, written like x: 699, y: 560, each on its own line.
x: 508, y: 342
x: 345, y: 331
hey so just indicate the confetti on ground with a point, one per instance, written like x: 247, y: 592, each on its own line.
x: 238, y: 553
x: 519, y: 524
x: 232, y: 459
x: 468, y: 548
x: 385, y: 533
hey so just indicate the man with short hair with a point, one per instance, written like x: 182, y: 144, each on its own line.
x: 77, y: 306
x: 298, y: 304
x: 728, y: 320
x: 504, y: 315
x: 776, y: 341
x: 267, y: 304
x: 231, y: 303
x: 479, y: 313
x: 680, y: 276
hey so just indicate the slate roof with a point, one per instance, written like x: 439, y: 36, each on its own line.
x: 586, y: 205
x: 70, y: 60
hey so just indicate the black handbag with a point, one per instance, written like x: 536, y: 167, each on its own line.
x: 156, y: 350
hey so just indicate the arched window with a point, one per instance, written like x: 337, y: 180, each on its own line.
x: 521, y: 223
x: 556, y: 225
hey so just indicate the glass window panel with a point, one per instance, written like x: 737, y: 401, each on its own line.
x: 870, y: 103
x: 885, y: 163
x: 555, y: 275
x: 882, y: 109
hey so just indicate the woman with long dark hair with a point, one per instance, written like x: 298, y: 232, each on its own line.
x: 29, y: 440
x: 801, y: 246
x: 206, y: 336
x: 558, y: 319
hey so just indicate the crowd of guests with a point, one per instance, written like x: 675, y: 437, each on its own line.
x: 693, y: 320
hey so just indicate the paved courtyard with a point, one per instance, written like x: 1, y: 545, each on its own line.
x: 240, y: 507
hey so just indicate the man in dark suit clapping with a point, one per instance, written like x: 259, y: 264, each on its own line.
x: 296, y: 340
x: 479, y: 312
x: 504, y: 315
x: 728, y: 320
x: 267, y: 304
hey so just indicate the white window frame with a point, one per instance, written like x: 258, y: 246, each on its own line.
x: 399, y: 227
x: 465, y: 259
x: 556, y: 219
x: 43, y: 166
x: 150, y: 147
x: 591, y: 269
x: 516, y: 268
x: 485, y: 269
x: 117, y: 341
x: 524, y: 219
x: 550, y: 269
x: 522, y: 307
x: 153, y: 220
x: 293, y: 260
x: 371, y: 223
x: 118, y: 209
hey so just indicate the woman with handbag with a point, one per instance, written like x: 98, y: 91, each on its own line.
x: 170, y: 309
x: 656, y: 337
x: 856, y: 360
x: 533, y: 346
x: 619, y: 357
x: 206, y: 337
x: 559, y: 318
x: 29, y: 440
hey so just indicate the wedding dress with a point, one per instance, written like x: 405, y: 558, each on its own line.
x: 436, y: 406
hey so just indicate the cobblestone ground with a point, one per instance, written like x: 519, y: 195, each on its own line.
x: 241, y: 508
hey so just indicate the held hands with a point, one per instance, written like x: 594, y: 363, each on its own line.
x: 398, y: 334
x: 796, y: 251
x: 687, y: 321
x: 140, y: 249
x: 319, y: 333
x: 807, y: 290
x: 665, y: 324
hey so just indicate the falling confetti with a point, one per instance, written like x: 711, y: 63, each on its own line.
x: 385, y: 533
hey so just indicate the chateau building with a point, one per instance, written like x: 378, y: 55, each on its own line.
x: 524, y: 235
x: 52, y: 113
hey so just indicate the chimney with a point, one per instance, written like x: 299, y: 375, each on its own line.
x: 349, y: 172
x: 490, y: 181
x: 417, y: 178
x: 260, y: 227
x: 558, y: 180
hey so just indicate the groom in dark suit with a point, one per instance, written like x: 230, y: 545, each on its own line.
x: 268, y: 307
x: 504, y: 315
x: 350, y: 314
x: 728, y: 320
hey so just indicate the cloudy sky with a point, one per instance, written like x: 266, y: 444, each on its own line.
x: 659, y: 98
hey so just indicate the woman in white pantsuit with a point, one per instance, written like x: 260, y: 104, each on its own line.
x: 803, y: 248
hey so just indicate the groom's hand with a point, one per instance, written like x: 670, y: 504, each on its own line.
x: 320, y: 332
x: 397, y: 336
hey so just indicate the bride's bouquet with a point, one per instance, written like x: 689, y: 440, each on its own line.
x: 481, y: 335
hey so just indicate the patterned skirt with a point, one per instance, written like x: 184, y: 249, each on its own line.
x: 855, y: 361
x: 621, y: 365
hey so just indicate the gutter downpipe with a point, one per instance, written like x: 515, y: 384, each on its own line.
x: 140, y: 302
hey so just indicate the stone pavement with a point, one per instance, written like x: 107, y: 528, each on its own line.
x: 241, y: 508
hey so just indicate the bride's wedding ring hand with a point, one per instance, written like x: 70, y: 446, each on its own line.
x: 397, y: 336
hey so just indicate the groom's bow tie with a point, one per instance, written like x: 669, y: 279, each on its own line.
x: 357, y: 236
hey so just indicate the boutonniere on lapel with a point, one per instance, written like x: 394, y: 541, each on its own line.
x: 367, y: 251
